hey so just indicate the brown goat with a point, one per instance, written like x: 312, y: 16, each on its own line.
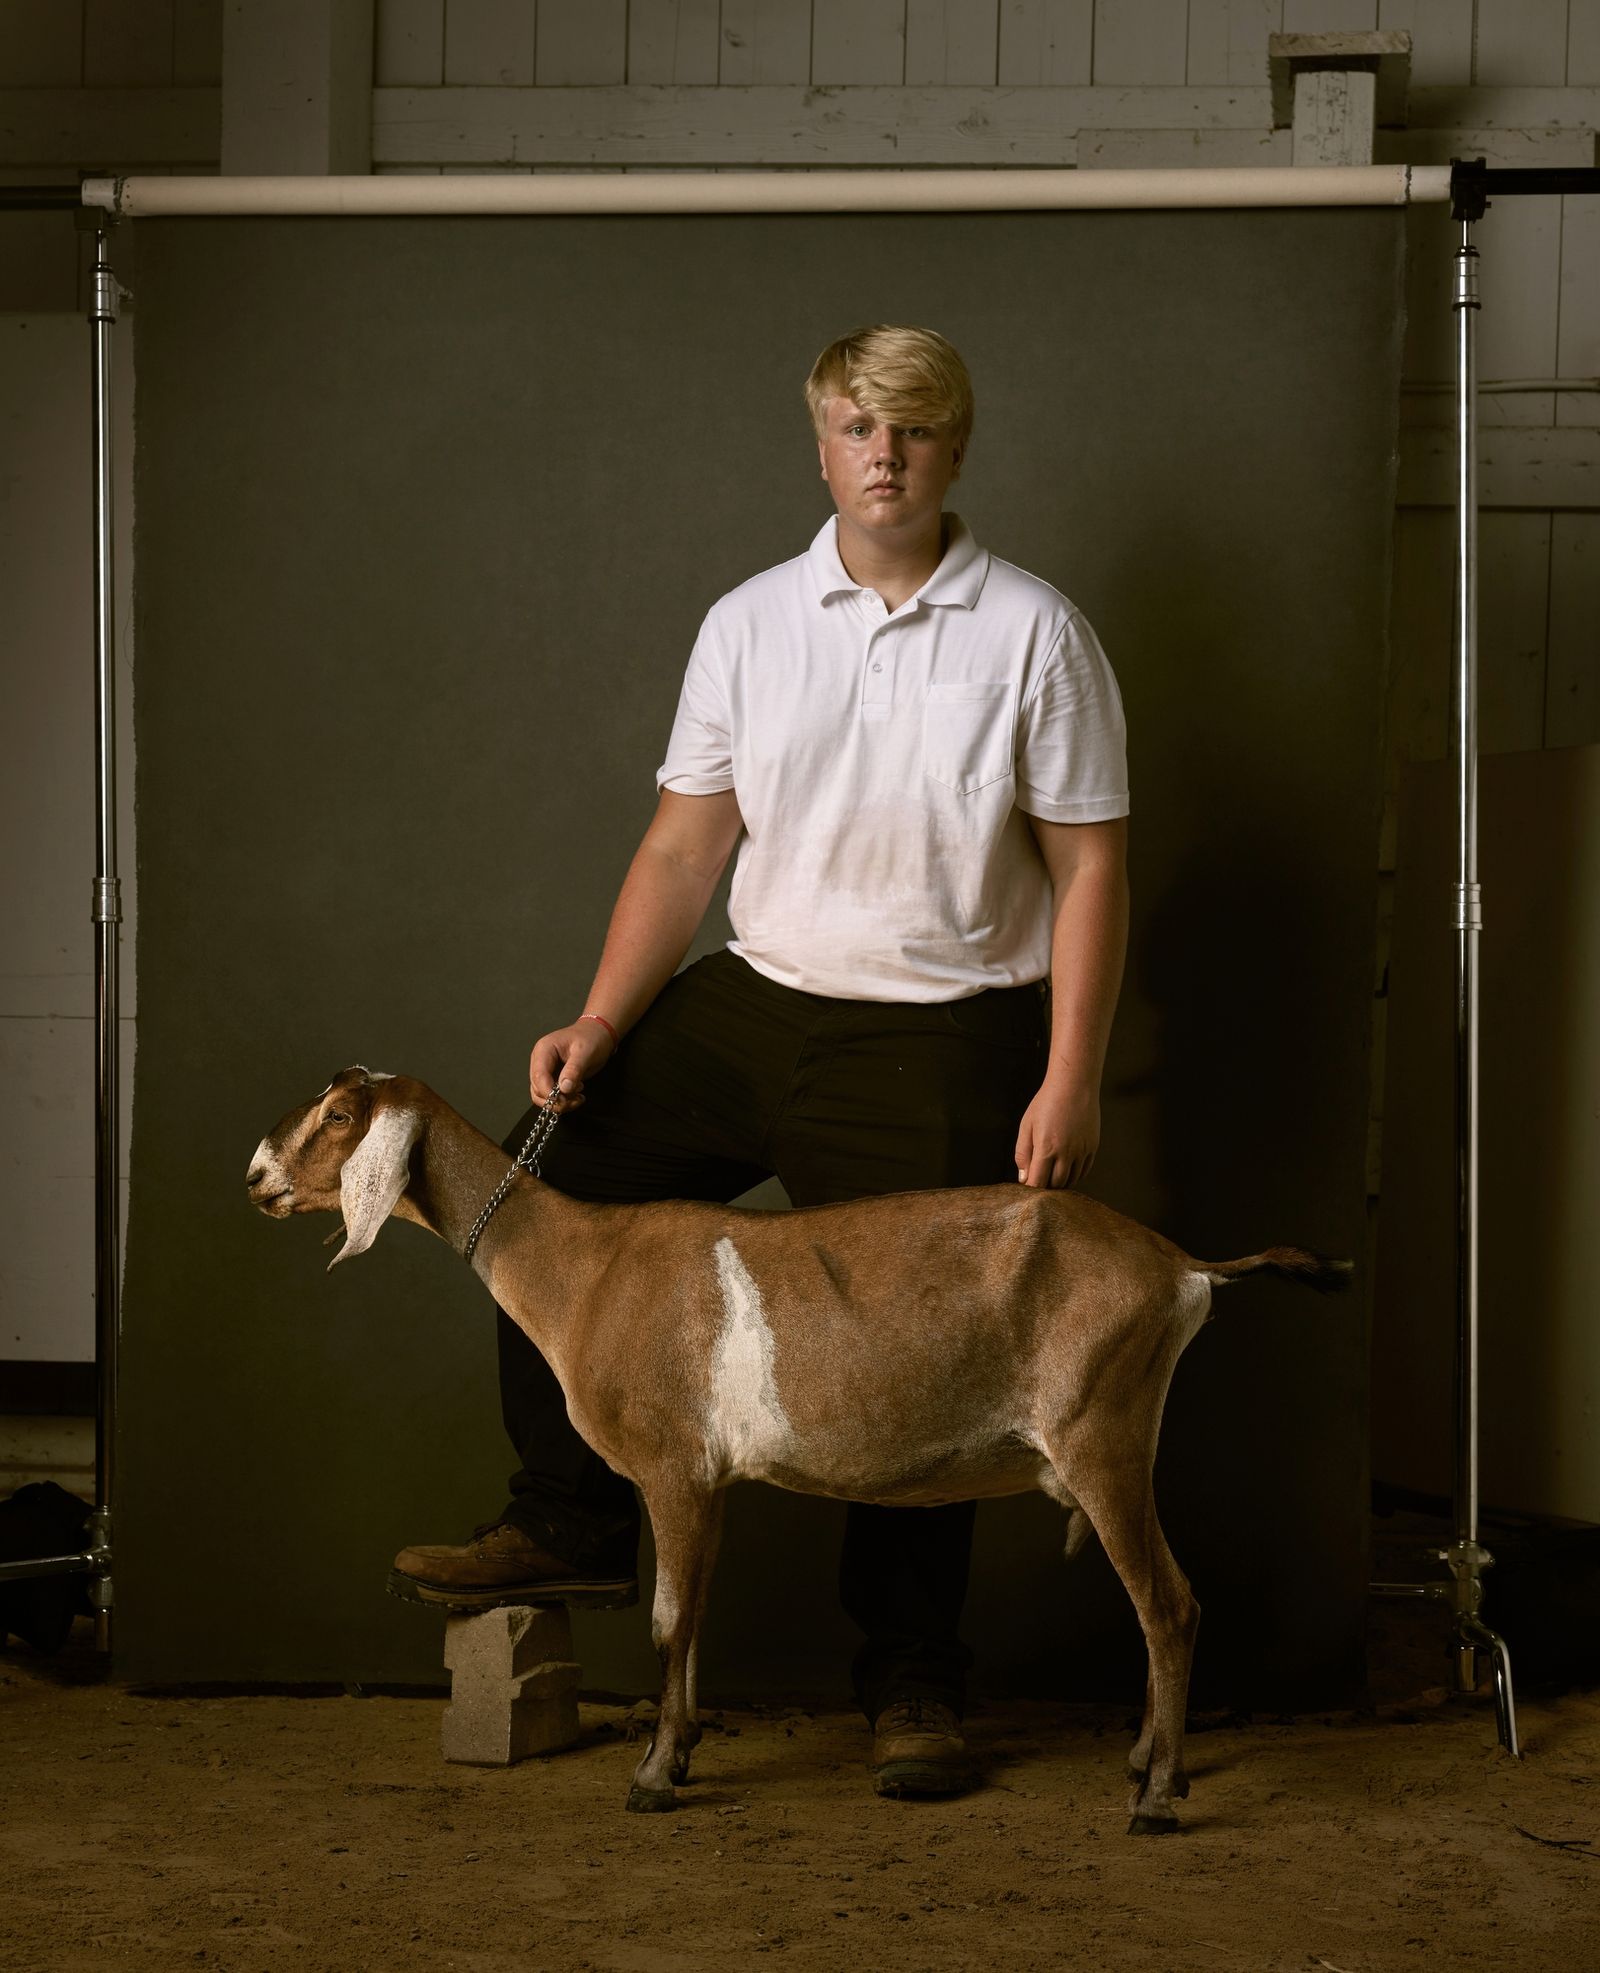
x: 912, y: 1349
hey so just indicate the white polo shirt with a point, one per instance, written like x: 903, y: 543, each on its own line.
x: 884, y: 762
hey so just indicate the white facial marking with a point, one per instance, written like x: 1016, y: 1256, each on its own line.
x: 267, y: 1161
x: 746, y: 1424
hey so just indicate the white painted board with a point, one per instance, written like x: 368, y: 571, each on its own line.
x: 47, y: 1074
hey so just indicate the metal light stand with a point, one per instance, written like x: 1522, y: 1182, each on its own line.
x: 95, y: 1560
x: 1466, y: 1558
x: 108, y: 933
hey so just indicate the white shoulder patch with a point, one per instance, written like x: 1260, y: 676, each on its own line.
x: 747, y: 1427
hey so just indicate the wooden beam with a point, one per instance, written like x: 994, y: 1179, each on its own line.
x: 1170, y: 150
x: 791, y: 125
x: 1333, y: 116
x: 1495, y: 147
x: 1519, y: 466
x: 781, y: 125
x: 1504, y: 109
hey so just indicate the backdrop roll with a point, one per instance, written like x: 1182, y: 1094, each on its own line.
x: 427, y: 513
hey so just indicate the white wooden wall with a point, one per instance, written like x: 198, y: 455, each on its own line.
x: 571, y: 85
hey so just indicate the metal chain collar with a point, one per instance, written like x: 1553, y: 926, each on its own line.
x: 527, y: 1159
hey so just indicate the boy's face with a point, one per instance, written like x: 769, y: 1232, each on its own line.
x: 887, y: 480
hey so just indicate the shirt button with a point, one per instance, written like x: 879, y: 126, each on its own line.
x: 877, y: 667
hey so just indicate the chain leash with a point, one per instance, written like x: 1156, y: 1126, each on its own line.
x: 527, y: 1159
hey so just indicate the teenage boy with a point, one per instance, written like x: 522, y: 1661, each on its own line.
x: 918, y: 751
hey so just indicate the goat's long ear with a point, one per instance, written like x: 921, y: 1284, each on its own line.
x: 374, y: 1176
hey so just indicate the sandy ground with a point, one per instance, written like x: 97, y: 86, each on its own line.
x: 272, y: 1832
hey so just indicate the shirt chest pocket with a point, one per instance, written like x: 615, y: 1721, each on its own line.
x: 968, y: 733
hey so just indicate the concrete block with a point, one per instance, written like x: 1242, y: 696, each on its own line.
x: 508, y: 1640
x: 513, y: 1686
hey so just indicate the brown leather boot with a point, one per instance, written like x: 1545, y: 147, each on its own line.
x: 501, y: 1564
x: 918, y: 1749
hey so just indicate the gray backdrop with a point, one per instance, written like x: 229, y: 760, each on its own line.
x: 427, y: 514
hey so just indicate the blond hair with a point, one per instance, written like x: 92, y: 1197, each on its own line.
x: 904, y: 375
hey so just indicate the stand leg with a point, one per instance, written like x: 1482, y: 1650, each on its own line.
x: 1498, y: 1652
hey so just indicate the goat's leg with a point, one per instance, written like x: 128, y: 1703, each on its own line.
x: 1139, y: 1754
x: 684, y: 1523
x: 1121, y: 1504
x: 692, y: 1665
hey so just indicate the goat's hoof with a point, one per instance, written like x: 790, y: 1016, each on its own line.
x: 1153, y: 1825
x: 651, y: 1801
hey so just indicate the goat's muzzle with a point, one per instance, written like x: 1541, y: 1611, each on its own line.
x: 269, y: 1188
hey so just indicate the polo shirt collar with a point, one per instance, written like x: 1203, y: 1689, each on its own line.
x: 958, y: 579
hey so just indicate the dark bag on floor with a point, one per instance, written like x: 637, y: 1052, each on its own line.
x: 40, y: 1520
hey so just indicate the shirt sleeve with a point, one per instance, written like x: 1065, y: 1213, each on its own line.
x: 1072, y: 744
x: 700, y: 753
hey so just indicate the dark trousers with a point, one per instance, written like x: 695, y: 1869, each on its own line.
x: 728, y: 1080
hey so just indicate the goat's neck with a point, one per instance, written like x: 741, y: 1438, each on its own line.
x: 455, y: 1171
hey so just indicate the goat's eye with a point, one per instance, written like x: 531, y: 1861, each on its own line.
x: 337, y: 1117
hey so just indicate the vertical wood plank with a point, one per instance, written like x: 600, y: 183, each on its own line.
x: 41, y: 44
x: 673, y: 40
x: 1572, y: 685
x: 408, y: 44
x: 1583, y: 44
x: 1145, y: 44
x: 766, y: 41
x: 1329, y: 16
x: 197, y: 43
x: 952, y: 41
x: 489, y: 41
x: 1441, y: 39
x: 1522, y: 41
x: 1521, y: 285
x: 127, y: 44
x: 1046, y: 42
x: 582, y: 41
x: 1578, y: 324
x: 858, y: 41
x: 1513, y: 625
x: 1228, y: 40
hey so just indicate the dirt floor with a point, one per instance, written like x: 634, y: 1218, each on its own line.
x: 272, y: 1832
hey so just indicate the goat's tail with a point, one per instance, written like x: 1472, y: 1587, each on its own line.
x: 1293, y: 1263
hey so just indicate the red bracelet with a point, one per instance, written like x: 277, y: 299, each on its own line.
x: 616, y: 1039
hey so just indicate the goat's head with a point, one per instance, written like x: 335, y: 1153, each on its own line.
x: 347, y: 1150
